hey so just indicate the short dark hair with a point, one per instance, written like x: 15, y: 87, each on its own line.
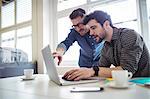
x: 99, y: 16
x: 76, y: 13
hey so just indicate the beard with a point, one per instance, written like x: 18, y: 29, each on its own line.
x: 82, y: 32
x: 100, y: 38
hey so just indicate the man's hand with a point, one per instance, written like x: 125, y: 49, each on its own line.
x: 59, y: 56
x: 78, y: 74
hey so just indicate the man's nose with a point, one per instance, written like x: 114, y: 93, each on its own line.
x: 91, y: 32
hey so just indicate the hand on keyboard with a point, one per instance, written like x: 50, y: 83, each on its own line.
x: 66, y: 78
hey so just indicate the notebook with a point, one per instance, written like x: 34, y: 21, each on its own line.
x: 141, y: 80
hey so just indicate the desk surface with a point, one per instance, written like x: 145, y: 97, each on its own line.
x: 42, y: 88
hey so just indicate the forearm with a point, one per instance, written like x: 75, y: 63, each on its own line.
x: 106, y: 72
x: 61, y: 48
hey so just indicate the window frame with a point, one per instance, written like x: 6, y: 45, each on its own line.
x: 16, y: 25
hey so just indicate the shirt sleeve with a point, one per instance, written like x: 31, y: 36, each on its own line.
x: 132, y: 48
x: 62, y: 45
x: 70, y: 39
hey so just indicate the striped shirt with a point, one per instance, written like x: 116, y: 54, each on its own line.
x: 128, y: 50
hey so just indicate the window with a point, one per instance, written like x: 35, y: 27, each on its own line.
x: 65, y: 4
x: 94, y: 0
x: 16, y: 27
x: 63, y: 29
x: 7, y: 11
x: 24, y: 8
x: 8, y: 39
x: 123, y: 14
x: 69, y: 58
x: 148, y: 12
x: 24, y: 39
x: 148, y: 9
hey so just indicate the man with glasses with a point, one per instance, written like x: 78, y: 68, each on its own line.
x: 90, y: 49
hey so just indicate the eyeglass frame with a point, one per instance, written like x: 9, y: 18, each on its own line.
x: 75, y: 26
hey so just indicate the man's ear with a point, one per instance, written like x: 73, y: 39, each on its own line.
x: 106, y: 23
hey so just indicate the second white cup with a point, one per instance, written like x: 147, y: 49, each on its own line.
x: 121, y: 77
x: 28, y: 73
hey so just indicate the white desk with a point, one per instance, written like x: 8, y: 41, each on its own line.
x: 41, y: 88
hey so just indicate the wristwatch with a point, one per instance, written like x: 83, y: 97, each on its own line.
x: 96, y: 69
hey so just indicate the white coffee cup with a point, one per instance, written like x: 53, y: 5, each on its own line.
x: 121, y: 77
x: 28, y: 73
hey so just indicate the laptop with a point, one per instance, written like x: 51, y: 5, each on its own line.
x: 52, y: 71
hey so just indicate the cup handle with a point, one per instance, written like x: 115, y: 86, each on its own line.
x: 130, y: 75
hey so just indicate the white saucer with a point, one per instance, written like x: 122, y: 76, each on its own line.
x: 31, y: 78
x: 113, y: 85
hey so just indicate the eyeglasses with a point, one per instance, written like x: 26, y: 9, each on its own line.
x: 78, y: 25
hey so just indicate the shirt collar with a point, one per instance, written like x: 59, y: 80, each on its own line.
x: 116, y: 34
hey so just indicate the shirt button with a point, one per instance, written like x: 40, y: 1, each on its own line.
x: 92, y: 43
x: 89, y: 36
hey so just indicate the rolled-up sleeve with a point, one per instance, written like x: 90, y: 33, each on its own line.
x: 132, y: 48
x: 62, y: 45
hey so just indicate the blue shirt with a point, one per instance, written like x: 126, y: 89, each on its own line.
x: 97, y: 50
x: 87, y: 45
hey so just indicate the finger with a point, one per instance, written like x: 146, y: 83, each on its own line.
x: 58, y: 63
x: 79, y: 78
x: 54, y: 53
x: 69, y: 73
x: 74, y: 75
x: 59, y: 60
